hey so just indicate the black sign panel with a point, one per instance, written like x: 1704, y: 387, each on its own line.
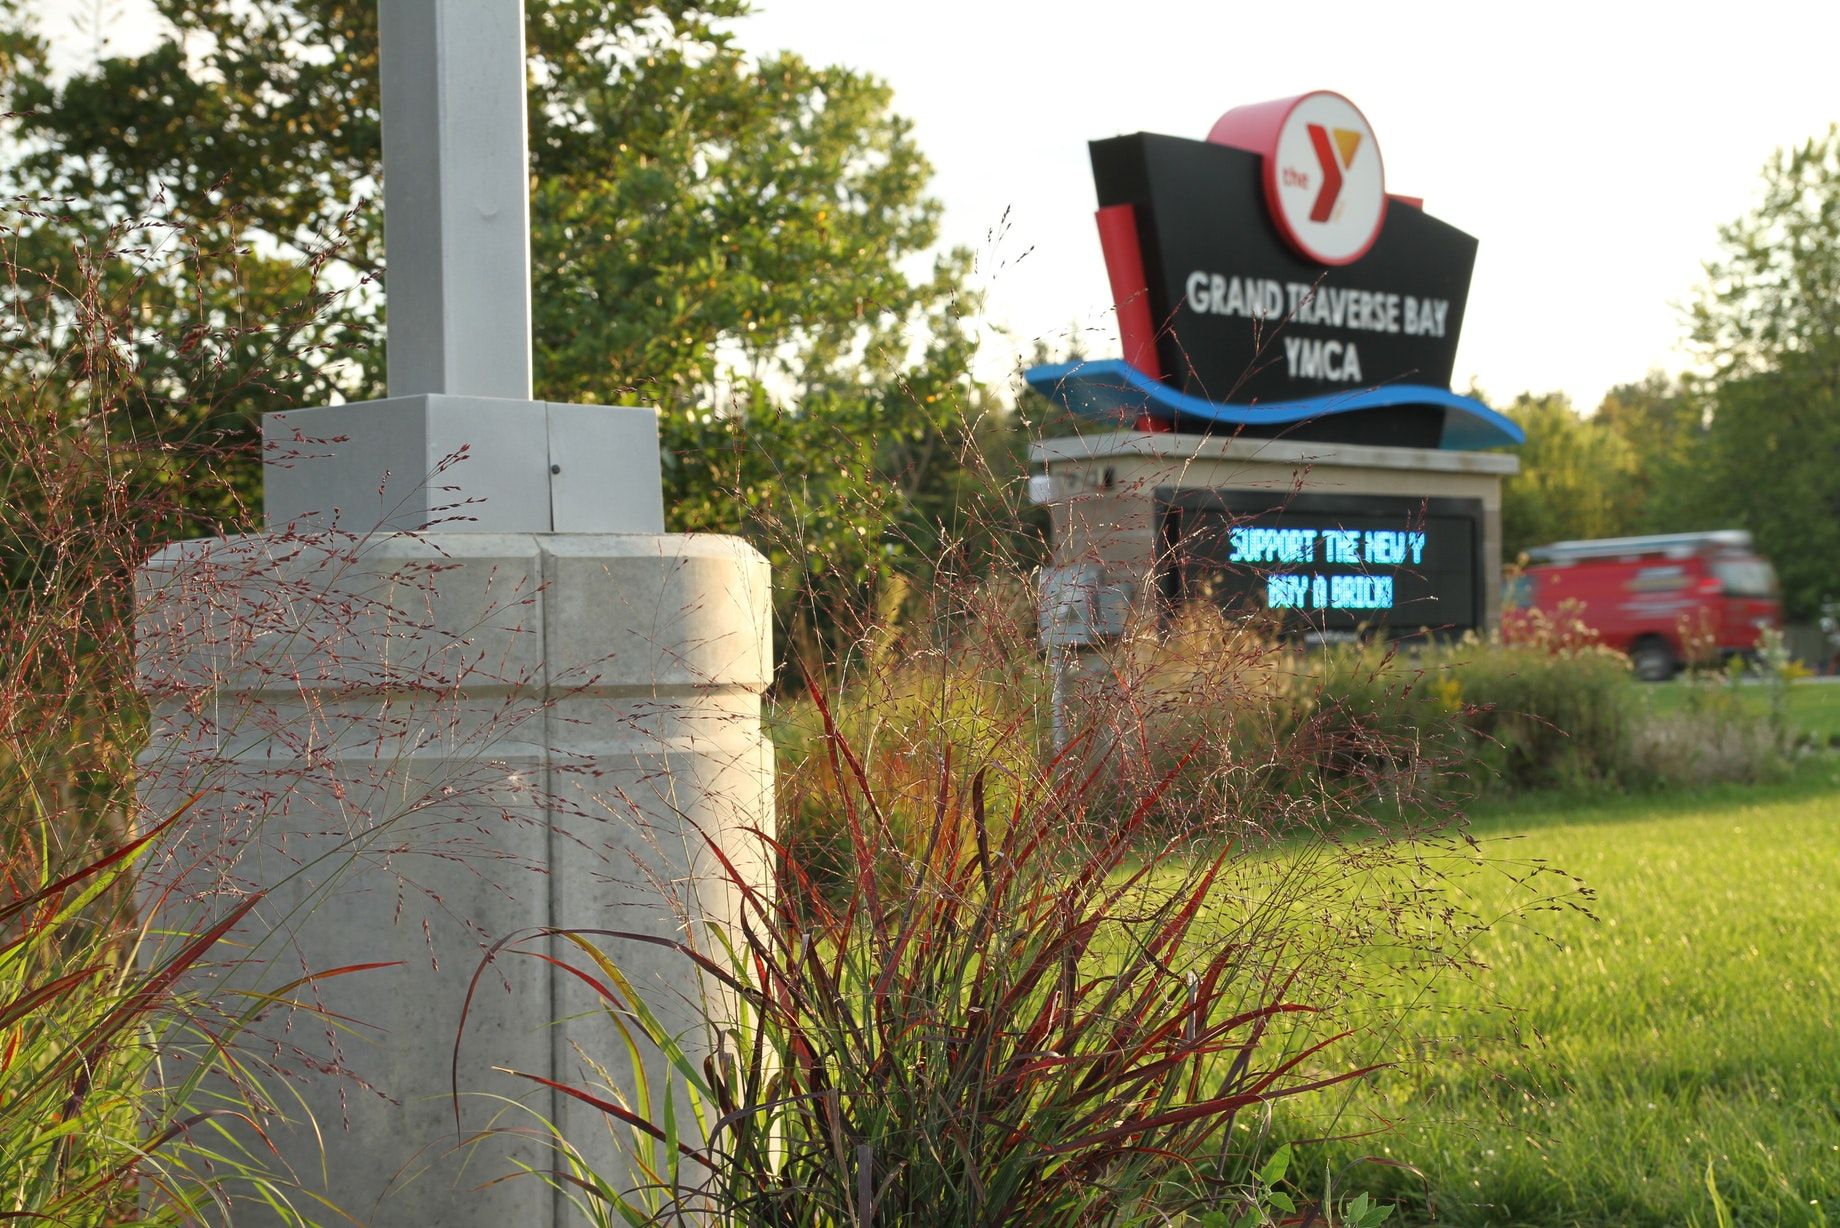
x: 1243, y: 318
x: 1330, y: 563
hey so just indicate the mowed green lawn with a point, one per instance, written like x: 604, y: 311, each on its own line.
x: 1691, y: 1027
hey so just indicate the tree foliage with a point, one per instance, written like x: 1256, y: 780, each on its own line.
x: 1771, y: 299
x: 1661, y: 420
x: 1767, y: 326
x: 1575, y: 479
x: 737, y: 241
x: 1749, y: 442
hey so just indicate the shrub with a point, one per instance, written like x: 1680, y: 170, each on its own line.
x: 1263, y: 740
x: 1237, y: 731
x: 914, y: 697
x: 1251, y: 738
x: 121, y: 1073
x: 115, y: 1082
x: 1414, y: 725
x: 1699, y: 746
x: 1540, y: 718
x: 1043, y: 988
x: 1031, y: 1027
x: 1713, y: 733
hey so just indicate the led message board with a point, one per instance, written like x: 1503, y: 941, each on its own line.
x: 1327, y: 563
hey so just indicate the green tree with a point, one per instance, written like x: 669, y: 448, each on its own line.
x: 1661, y: 419
x: 115, y: 342
x: 22, y: 52
x: 1767, y: 326
x: 1576, y: 478
x: 726, y: 238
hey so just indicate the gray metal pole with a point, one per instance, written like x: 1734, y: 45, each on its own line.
x: 456, y: 186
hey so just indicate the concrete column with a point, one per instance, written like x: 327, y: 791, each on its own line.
x: 417, y: 744
x: 463, y: 688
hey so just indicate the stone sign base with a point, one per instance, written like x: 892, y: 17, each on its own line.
x: 1105, y: 491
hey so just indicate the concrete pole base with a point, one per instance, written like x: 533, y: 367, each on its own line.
x: 417, y: 744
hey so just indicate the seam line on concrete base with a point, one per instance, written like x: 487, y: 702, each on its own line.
x: 545, y: 592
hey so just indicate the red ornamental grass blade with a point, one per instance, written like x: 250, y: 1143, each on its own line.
x: 20, y: 1007
x: 90, y: 870
x: 183, y: 1127
x: 1260, y: 1021
x: 189, y: 954
x: 1118, y: 1064
x: 345, y: 970
x: 1112, y: 852
x: 1178, y: 926
x: 617, y: 1111
x: 839, y: 755
x: 87, y: 1050
x: 898, y: 952
x: 742, y: 883
x: 709, y: 967
x: 1265, y: 1081
x: 36, y: 1215
x: 1221, y: 1106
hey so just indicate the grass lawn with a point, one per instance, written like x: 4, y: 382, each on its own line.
x: 1691, y: 1027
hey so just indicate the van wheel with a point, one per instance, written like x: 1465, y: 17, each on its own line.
x: 1652, y: 659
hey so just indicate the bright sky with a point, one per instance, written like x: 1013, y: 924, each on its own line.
x: 1592, y: 148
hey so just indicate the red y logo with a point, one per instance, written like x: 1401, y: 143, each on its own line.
x: 1332, y: 159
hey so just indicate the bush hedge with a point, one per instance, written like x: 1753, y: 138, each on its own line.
x: 1264, y: 737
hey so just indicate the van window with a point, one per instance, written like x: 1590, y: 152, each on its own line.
x: 1658, y: 579
x: 1517, y: 593
x: 1745, y: 577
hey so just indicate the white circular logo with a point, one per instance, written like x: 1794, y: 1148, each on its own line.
x: 1325, y: 181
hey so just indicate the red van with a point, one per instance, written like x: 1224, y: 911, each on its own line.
x: 1640, y: 594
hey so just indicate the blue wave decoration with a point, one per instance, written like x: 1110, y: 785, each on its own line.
x: 1112, y: 390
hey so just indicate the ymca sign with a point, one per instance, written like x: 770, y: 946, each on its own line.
x: 1267, y: 279
x: 1288, y: 326
x: 1275, y: 262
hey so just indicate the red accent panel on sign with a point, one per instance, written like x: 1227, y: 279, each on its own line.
x: 1124, y: 262
x: 1254, y: 128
